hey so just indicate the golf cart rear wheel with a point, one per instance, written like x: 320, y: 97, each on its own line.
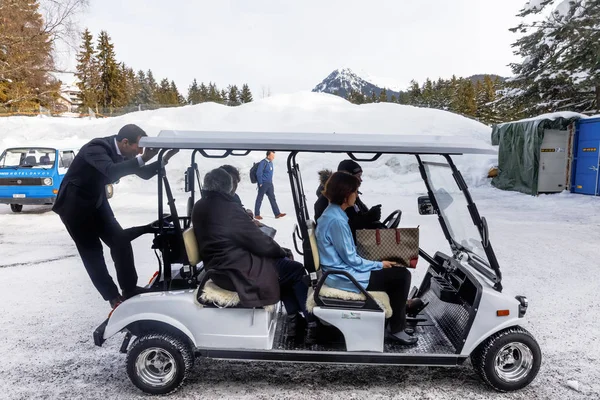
x: 159, y: 363
x: 16, y: 207
x: 508, y: 360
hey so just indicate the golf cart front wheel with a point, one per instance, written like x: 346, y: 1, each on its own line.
x: 508, y: 360
x: 16, y: 207
x: 159, y: 363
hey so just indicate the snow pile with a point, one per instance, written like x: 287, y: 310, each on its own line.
x: 298, y: 112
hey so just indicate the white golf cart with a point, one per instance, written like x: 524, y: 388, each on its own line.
x: 188, y: 316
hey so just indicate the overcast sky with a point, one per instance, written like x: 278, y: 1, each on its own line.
x: 292, y: 45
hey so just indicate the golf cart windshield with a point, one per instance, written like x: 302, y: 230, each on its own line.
x: 453, y: 206
x: 28, y: 158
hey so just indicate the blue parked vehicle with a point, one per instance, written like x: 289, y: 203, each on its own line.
x: 32, y: 175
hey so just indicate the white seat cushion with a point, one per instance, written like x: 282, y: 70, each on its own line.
x: 220, y: 297
x: 381, y: 298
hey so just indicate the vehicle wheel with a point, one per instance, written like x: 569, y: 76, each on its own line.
x: 159, y: 363
x: 508, y: 360
x: 16, y: 207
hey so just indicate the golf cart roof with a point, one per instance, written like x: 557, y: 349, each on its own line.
x: 315, y: 142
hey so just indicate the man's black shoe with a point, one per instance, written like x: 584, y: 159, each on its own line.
x: 116, y: 301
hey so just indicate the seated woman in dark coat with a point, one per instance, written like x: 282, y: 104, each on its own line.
x: 244, y: 259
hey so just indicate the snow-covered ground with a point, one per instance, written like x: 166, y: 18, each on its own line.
x: 547, y: 247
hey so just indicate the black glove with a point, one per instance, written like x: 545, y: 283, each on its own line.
x: 375, y: 213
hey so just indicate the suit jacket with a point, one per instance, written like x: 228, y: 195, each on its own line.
x: 97, y: 164
x: 242, y: 257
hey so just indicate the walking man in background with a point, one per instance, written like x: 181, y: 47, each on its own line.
x: 84, y: 209
x: 264, y: 179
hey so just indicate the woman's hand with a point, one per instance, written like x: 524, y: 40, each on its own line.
x: 388, y: 264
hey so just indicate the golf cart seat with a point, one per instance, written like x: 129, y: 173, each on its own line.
x: 337, y: 297
x: 209, y: 293
x: 363, y: 331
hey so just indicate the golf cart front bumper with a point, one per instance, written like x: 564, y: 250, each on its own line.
x: 99, y: 333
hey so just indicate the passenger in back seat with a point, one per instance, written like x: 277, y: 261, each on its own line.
x: 337, y: 251
x: 242, y: 257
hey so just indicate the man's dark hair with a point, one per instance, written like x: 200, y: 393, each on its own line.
x: 340, y: 186
x: 131, y: 132
x: 269, y: 152
x: 233, y: 171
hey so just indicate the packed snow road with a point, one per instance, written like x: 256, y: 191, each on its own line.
x: 547, y: 248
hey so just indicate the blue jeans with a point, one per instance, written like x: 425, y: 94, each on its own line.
x: 268, y: 189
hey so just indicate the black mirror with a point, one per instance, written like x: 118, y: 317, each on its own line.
x: 189, y: 179
x: 425, y: 206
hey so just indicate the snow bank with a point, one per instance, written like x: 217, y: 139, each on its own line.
x: 297, y: 112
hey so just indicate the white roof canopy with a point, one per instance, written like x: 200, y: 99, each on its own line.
x: 316, y: 142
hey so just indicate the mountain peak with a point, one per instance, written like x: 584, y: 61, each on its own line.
x: 343, y: 80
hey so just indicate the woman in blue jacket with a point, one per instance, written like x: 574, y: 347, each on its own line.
x: 337, y: 251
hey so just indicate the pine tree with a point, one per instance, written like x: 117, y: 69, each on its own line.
x: 111, y: 82
x: 213, y: 93
x: 203, y: 95
x: 163, y: 93
x: 175, y: 97
x: 561, y: 58
x: 193, y: 93
x: 87, y: 72
x: 153, y: 86
x: 393, y: 99
x: 25, y: 56
x: 427, y: 95
x: 223, y: 97
x: 233, y: 96
x: 414, y: 94
x: 465, y: 99
x: 374, y: 97
x: 144, y: 93
x: 246, y: 95
x: 383, y: 96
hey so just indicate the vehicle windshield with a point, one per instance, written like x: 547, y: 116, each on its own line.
x: 453, y: 206
x: 28, y: 158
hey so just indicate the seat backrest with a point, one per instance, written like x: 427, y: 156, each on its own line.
x: 313, y: 243
x: 44, y: 160
x: 191, y: 246
x: 30, y: 160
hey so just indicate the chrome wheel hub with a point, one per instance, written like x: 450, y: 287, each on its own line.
x: 513, y: 362
x: 156, y: 367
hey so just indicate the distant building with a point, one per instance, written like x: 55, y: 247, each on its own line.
x: 70, y: 94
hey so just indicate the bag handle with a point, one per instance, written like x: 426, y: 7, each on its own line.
x: 378, y: 236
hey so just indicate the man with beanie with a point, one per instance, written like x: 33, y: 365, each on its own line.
x: 241, y: 257
x: 84, y: 209
x: 359, y: 216
x: 264, y: 180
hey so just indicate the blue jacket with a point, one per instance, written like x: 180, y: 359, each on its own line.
x: 264, y: 172
x: 337, y: 251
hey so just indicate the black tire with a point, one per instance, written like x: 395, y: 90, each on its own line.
x: 157, y: 356
x: 16, y: 207
x: 524, y: 352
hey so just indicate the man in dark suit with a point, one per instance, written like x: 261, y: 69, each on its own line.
x: 84, y: 209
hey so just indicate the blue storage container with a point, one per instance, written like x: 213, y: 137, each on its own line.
x: 586, y: 157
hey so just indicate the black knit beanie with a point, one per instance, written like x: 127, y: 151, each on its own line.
x: 350, y: 166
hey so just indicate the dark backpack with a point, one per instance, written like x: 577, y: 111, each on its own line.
x: 253, y: 170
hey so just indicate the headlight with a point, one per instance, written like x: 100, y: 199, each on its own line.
x: 47, y: 181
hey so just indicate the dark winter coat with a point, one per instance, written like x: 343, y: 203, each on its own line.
x: 358, y: 216
x: 230, y: 244
x: 97, y: 164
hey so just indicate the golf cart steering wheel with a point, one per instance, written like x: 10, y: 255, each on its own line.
x: 167, y: 222
x: 393, y: 220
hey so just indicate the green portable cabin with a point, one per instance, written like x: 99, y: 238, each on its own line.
x: 535, y: 154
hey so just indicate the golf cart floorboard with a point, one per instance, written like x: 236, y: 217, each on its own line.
x: 431, y: 341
